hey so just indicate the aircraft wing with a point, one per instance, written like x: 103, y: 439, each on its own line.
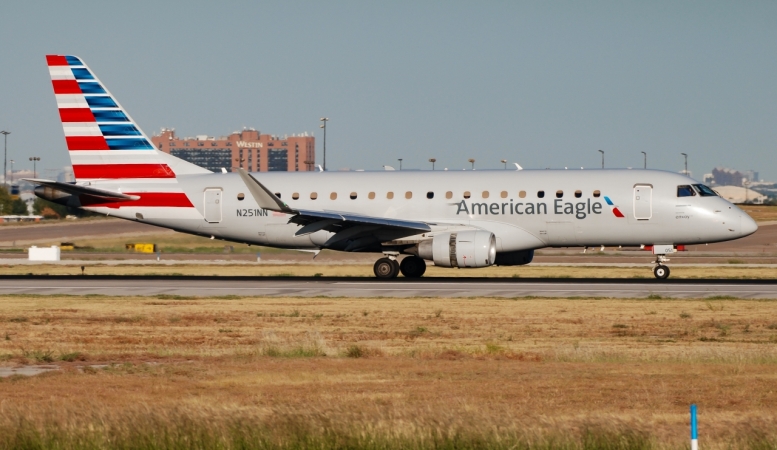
x: 345, y: 225
x: 75, y: 189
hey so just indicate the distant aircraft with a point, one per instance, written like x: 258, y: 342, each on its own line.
x: 462, y: 219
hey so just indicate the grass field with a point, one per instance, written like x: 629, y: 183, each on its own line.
x: 174, y: 372
x: 365, y: 270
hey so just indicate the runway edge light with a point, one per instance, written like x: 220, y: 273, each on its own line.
x: 694, y: 429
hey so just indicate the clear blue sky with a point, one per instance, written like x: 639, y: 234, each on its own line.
x: 545, y: 84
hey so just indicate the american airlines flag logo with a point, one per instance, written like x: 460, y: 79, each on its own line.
x: 614, y: 208
x: 103, y: 141
x: 95, y: 124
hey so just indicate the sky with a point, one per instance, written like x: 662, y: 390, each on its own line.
x: 541, y: 83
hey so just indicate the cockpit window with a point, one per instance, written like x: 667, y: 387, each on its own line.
x: 704, y: 191
x: 685, y: 191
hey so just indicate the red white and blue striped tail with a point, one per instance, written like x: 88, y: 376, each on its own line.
x: 103, y: 140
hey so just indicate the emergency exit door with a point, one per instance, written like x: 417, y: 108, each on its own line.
x: 643, y: 202
x: 213, y: 205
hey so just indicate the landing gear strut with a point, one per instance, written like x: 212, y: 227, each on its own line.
x: 661, y: 271
x: 412, y: 267
x: 386, y: 268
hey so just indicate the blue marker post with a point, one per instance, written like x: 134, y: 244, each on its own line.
x: 694, y: 429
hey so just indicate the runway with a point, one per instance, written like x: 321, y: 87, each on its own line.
x: 362, y: 287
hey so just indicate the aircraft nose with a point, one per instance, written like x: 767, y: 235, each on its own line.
x: 747, y: 225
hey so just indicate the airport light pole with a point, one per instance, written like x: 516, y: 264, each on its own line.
x: 645, y: 158
x: 432, y: 160
x: 602, y: 152
x: 5, y: 153
x: 685, y: 155
x: 324, y: 120
x: 504, y: 161
x: 12, y: 161
x: 400, y: 163
x: 34, y: 160
x: 472, y: 161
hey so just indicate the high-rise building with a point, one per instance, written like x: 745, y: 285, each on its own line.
x: 248, y: 149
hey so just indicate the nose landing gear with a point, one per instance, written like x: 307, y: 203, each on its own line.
x: 661, y: 271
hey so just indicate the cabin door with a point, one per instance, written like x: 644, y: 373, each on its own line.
x: 643, y: 202
x: 213, y: 205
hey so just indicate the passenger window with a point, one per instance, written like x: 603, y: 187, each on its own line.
x: 540, y: 194
x: 353, y: 195
x: 278, y: 194
x: 485, y: 194
x: 430, y: 195
x: 685, y: 191
x: 389, y: 195
x: 371, y: 195
x: 313, y: 195
x: 504, y: 194
x: 559, y: 194
x: 466, y: 194
x: 522, y: 194
x: 578, y: 194
x: 241, y: 196
x: 449, y: 194
x: 408, y: 195
x: 333, y: 196
x: 295, y: 196
x: 597, y: 194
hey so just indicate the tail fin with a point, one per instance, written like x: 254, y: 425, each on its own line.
x: 103, y: 140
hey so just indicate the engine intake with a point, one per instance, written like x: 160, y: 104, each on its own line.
x: 471, y: 248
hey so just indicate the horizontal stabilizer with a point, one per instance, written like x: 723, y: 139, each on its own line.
x: 75, y: 189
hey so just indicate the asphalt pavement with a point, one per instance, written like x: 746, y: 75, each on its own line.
x: 361, y: 287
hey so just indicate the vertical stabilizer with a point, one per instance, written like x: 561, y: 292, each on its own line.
x: 103, y: 141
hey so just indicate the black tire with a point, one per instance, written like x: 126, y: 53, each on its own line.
x: 386, y: 268
x: 412, y: 267
x: 661, y: 272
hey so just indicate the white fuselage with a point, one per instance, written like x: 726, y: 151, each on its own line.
x: 572, y: 212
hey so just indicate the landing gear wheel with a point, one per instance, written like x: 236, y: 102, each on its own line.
x: 412, y: 267
x: 386, y: 268
x: 661, y: 272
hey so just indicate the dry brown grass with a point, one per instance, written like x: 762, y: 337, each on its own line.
x: 365, y: 270
x: 761, y: 213
x: 494, y: 364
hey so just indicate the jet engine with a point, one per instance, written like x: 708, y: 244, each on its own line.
x: 470, y: 248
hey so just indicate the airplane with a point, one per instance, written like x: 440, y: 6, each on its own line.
x: 457, y: 219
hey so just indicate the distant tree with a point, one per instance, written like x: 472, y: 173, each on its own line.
x: 19, y: 207
x: 56, y: 210
x: 48, y: 209
x: 5, y: 201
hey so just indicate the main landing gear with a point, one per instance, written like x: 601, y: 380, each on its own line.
x: 661, y: 271
x: 411, y: 267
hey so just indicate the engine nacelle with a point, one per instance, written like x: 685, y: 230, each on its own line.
x: 470, y: 248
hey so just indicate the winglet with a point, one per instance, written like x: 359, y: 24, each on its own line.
x: 263, y: 197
